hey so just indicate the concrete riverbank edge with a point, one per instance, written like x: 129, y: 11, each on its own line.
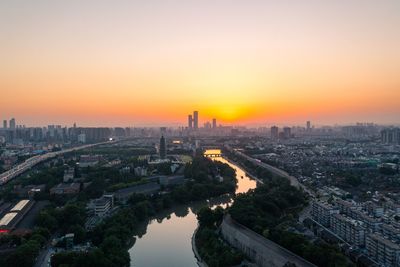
x: 260, y: 250
x: 200, y: 261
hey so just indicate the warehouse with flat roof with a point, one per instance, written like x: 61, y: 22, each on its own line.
x: 9, y: 221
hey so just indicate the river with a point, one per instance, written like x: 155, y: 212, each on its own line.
x: 167, y: 240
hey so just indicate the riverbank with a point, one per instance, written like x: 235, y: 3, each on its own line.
x: 179, y: 225
x: 244, y: 168
x: 245, y: 182
x: 200, y: 261
x: 259, y: 242
x: 272, y: 169
x: 262, y: 251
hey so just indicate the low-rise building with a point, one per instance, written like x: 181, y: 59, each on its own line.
x: 123, y: 195
x: 11, y: 219
x: 172, y: 180
x: 140, y: 171
x: 69, y: 175
x: 89, y: 160
x: 103, y: 205
x: 61, y: 189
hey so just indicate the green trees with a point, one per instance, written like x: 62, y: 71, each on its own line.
x: 62, y: 219
x: 113, y: 236
x: 25, y: 254
x: 321, y: 254
x: 267, y: 205
x: 94, y: 258
x: 210, y: 218
x: 211, y: 248
x: 202, y: 172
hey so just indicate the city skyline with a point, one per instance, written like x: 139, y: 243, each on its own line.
x: 187, y: 133
x: 259, y: 62
x: 213, y: 123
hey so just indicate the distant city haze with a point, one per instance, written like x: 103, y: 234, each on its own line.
x: 151, y: 63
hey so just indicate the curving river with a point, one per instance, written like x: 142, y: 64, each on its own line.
x: 167, y: 239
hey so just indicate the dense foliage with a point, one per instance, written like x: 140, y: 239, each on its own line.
x: 27, y: 250
x: 270, y: 208
x: 204, y: 175
x: 268, y: 205
x: 321, y: 254
x: 210, y: 246
x: 112, y: 237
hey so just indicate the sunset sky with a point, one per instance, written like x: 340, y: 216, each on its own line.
x: 153, y: 62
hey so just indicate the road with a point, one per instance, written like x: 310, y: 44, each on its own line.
x: 43, y: 260
x: 33, y: 161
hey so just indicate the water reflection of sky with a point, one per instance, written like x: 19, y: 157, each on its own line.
x: 167, y: 240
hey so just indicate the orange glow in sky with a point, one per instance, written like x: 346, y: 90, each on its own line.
x: 153, y: 62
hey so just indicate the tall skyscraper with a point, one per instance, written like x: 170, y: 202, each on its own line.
x: 163, y: 147
x: 196, y: 120
x: 274, y: 132
x: 190, y: 121
x: 163, y: 130
x: 214, y: 123
x: 308, y: 126
x: 287, y: 132
x: 12, y: 124
x: 4, y: 124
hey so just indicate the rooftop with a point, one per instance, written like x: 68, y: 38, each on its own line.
x: 20, y: 205
x: 7, y: 218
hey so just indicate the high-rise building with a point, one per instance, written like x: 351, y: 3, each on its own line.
x: 308, y: 126
x: 196, y: 120
x: 82, y: 138
x: 4, y: 124
x: 163, y: 130
x: 274, y: 132
x: 163, y: 147
x: 287, y: 132
x: 214, y: 123
x: 390, y: 136
x: 190, y: 121
x: 12, y: 124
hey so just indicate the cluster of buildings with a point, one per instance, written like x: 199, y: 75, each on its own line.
x: 193, y: 122
x: 20, y: 134
x: 320, y: 162
x: 286, y: 133
x: 369, y: 227
x: 390, y: 136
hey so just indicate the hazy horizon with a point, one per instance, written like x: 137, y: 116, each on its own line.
x: 103, y: 63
